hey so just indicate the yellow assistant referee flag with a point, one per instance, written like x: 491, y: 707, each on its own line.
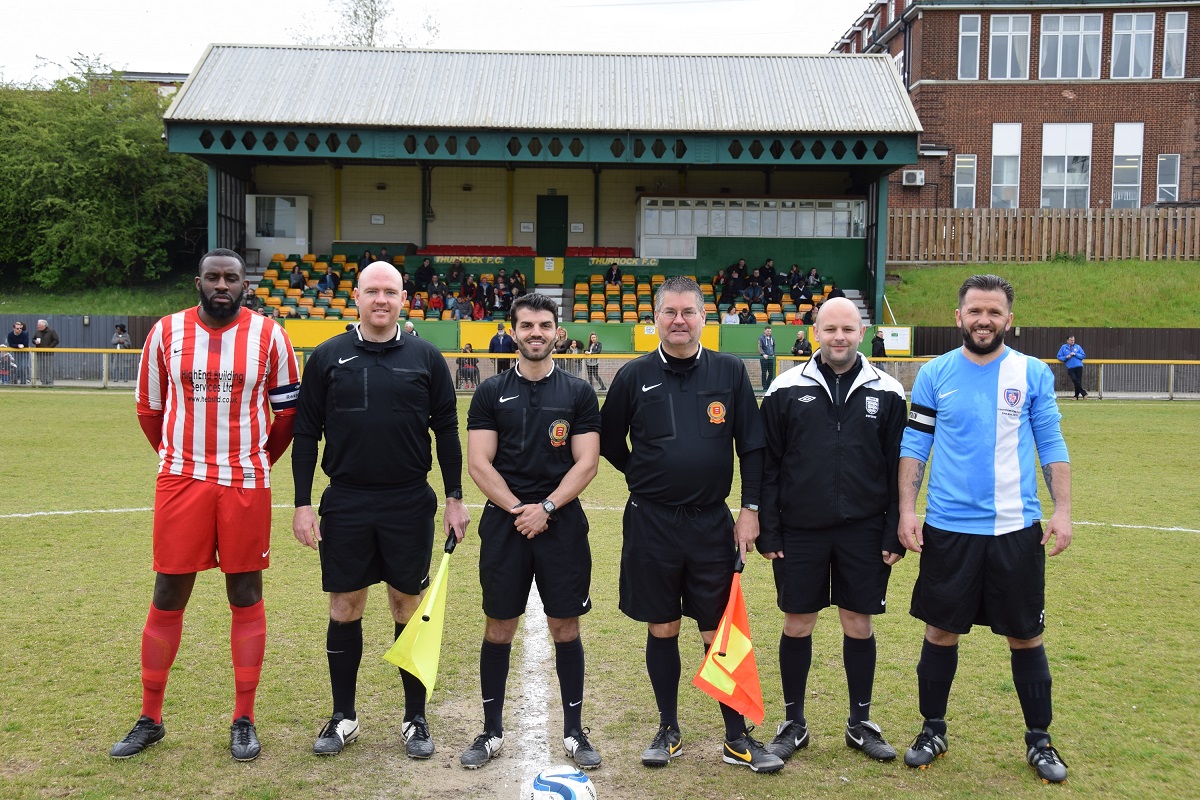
x: 419, y: 647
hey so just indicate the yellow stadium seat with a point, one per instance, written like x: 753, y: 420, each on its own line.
x: 271, y: 274
x: 317, y: 312
x: 350, y: 313
x: 274, y: 301
x: 293, y: 293
x: 280, y: 257
x: 305, y: 301
x: 418, y: 313
x: 339, y: 259
x: 338, y: 302
x: 308, y: 257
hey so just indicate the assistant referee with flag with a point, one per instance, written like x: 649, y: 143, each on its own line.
x: 684, y: 409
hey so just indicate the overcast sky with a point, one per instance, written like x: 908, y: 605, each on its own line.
x: 170, y: 35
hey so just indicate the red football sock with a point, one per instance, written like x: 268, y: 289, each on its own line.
x: 248, y: 642
x: 160, y: 643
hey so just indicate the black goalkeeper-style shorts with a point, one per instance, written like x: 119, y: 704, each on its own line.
x: 676, y: 561
x: 971, y: 579
x: 842, y: 566
x: 559, y: 559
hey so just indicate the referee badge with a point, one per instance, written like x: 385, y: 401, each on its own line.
x: 716, y: 413
x: 559, y: 429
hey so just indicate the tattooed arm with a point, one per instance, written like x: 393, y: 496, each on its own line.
x: 912, y: 473
x: 1058, y: 481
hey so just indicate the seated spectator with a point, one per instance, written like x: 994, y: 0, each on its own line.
x: 718, y: 283
x: 813, y: 279
x: 424, y: 274
x: 367, y: 258
x: 417, y: 303
x: 410, y: 286
x: 329, y: 281
x: 503, y: 297
x: 810, y: 316
x: 518, y: 282
x: 753, y: 292
x: 736, y: 280
x: 770, y: 293
x: 384, y: 256
x: 613, y: 274
x: 740, y: 267
x: 468, y: 369
x: 478, y: 312
x: 296, y: 279
x: 800, y: 293
x: 835, y: 291
x: 747, y: 317
x: 464, y: 306
x: 793, y: 277
x: 767, y: 270
x: 455, y: 275
x: 731, y: 316
x: 436, y: 303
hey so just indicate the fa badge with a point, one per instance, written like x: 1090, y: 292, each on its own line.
x: 716, y: 413
x: 872, y: 406
x: 1012, y: 397
x: 559, y: 429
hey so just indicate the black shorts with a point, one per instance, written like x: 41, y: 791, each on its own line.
x: 968, y: 579
x: 373, y: 535
x: 676, y: 561
x: 559, y: 558
x: 837, y: 566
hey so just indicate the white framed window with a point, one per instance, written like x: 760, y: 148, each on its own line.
x: 1168, y: 178
x: 1070, y: 46
x: 898, y: 63
x: 1127, y: 165
x: 1066, y: 165
x: 968, y: 47
x: 1133, y: 45
x: 1009, y: 47
x: 1174, y: 44
x: 1006, y: 164
x: 964, y: 181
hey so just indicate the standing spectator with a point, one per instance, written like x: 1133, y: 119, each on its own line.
x: 424, y: 274
x: 593, y: 364
x: 1072, y: 356
x: 983, y: 559
x: 841, y: 551
x: 766, y: 355
x: 684, y: 405
x: 802, y: 348
x: 210, y: 380
x: 45, y: 338
x: 502, y: 343
x: 455, y: 275
x: 612, y: 275
x: 533, y: 444
x: 767, y: 271
x: 731, y: 316
x: 377, y: 515
x: 120, y: 341
x: 561, y: 343
x: 18, y: 339
x: 878, y: 345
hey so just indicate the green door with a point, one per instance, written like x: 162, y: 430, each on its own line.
x: 551, y: 225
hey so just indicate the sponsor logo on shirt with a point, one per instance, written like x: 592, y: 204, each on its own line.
x: 716, y: 413
x: 559, y: 430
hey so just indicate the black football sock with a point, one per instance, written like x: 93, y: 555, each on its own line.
x: 935, y: 676
x: 414, y: 690
x: 493, y: 678
x: 1031, y: 676
x: 795, y: 661
x: 343, y: 649
x: 858, y: 657
x: 568, y: 663
x: 735, y: 723
x: 663, y: 666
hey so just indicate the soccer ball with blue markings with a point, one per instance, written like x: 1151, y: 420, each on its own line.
x: 559, y: 783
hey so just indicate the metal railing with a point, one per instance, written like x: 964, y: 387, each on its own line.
x: 117, y: 369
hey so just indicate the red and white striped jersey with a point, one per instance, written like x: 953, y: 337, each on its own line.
x: 213, y: 389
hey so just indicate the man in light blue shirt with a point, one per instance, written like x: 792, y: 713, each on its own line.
x: 988, y: 414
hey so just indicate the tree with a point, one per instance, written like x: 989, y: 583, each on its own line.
x: 89, y: 194
x: 366, y: 23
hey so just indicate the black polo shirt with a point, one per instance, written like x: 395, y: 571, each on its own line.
x: 375, y: 403
x: 683, y: 421
x: 534, y: 422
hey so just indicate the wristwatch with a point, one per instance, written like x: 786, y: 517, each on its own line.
x: 751, y: 507
x: 454, y: 494
x: 548, y: 506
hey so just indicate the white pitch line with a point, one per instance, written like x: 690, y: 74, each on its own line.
x: 535, y: 717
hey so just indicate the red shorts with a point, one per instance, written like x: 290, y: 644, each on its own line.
x: 199, y: 525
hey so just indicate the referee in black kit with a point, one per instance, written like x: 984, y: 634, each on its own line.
x: 684, y: 409
x: 533, y: 444
x: 375, y: 394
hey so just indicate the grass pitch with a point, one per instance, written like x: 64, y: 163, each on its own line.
x: 1122, y: 637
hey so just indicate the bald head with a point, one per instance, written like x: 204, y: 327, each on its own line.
x: 382, y: 269
x: 839, y: 307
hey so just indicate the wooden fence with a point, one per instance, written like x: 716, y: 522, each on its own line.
x: 919, y: 235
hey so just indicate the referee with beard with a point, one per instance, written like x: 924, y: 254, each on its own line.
x: 533, y: 444
x: 374, y: 394
x: 684, y: 410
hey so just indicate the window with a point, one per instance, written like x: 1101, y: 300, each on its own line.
x: 1066, y: 165
x: 275, y: 217
x: 964, y: 181
x: 1127, y: 165
x: 1006, y: 164
x: 1133, y: 45
x: 1174, y: 44
x: 1168, y: 178
x: 968, y: 47
x: 1010, y: 48
x: 1070, y: 46
x: 898, y: 63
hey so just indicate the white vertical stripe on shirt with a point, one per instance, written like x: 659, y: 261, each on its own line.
x: 1010, y: 509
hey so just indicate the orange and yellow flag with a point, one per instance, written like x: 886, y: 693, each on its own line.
x: 729, y: 672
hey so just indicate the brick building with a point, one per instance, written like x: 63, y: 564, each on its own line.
x: 1044, y: 103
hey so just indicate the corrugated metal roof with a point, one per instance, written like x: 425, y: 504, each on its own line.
x: 319, y: 86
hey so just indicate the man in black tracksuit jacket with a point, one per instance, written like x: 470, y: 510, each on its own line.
x: 829, y: 514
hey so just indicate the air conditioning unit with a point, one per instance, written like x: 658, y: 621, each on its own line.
x: 913, y: 177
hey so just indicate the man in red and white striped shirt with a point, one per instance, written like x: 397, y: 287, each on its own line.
x: 216, y: 397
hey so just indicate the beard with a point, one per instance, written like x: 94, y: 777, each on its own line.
x: 219, y: 312
x: 983, y: 349
x: 547, y: 351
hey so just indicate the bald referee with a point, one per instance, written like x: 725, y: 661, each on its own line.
x: 533, y: 444
x: 685, y: 410
x: 374, y: 394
